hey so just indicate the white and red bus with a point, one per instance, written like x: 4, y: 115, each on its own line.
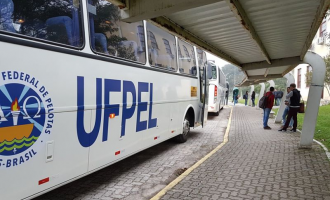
x: 217, y: 89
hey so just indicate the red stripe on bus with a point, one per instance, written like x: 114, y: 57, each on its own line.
x: 44, y: 181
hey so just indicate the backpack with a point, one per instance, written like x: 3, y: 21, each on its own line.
x: 244, y: 96
x: 263, y: 102
x: 279, y: 94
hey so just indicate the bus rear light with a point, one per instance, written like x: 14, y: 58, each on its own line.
x: 117, y: 153
x: 156, y: 138
x: 215, y: 91
x: 45, y: 180
x: 112, y: 116
x: 172, y: 131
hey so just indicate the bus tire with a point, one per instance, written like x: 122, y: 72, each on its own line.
x: 182, y: 138
x: 217, y: 113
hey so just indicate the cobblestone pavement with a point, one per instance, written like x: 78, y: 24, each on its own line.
x: 258, y: 164
x: 143, y: 175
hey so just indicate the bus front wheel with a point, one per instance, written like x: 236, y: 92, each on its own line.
x: 185, y: 131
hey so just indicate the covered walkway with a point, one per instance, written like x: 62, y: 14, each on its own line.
x: 265, y: 39
x: 258, y: 164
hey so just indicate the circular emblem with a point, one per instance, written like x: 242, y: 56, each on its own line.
x: 24, y: 118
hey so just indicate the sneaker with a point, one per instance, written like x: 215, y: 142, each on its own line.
x: 293, y: 130
x: 282, y: 130
x: 267, y: 128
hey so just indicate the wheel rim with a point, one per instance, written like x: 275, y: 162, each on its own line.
x: 186, y: 127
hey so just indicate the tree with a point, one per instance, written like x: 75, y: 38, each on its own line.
x: 233, y: 74
x: 309, y: 75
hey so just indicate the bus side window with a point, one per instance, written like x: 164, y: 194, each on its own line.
x: 111, y: 36
x: 161, y: 47
x: 185, y: 64
x: 56, y: 21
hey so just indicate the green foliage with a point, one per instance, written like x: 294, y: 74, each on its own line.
x: 309, y: 75
x: 280, y: 84
x: 322, y: 125
x: 234, y: 75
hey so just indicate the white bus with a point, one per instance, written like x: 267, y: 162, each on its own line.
x: 217, y: 89
x: 81, y: 90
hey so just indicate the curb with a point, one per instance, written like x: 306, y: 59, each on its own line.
x: 324, y: 148
x: 322, y: 145
x: 197, y: 164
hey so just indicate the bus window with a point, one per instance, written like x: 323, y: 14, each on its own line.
x: 214, y: 72
x: 201, y: 56
x: 161, y: 47
x: 110, y: 36
x: 57, y: 21
x: 185, y: 64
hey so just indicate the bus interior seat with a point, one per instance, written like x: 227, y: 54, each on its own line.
x: 54, y: 25
x: 193, y: 70
x: 6, y: 12
x: 71, y: 25
x: 75, y: 27
x: 101, y: 40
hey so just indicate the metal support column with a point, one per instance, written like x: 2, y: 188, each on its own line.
x: 290, y: 79
x: 314, y: 97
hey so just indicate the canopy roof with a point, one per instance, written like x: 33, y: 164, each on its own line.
x: 265, y: 38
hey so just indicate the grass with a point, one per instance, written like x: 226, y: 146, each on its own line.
x: 322, y: 125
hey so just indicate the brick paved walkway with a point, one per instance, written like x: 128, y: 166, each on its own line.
x: 258, y: 164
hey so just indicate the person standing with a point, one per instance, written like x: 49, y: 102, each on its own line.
x: 269, y: 105
x: 253, y: 97
x: 286, y: 110
x: 245, y: 97
x: 294, y: 96
x: 278, y: 97
x: 275, y: 94
x: 235, y: 95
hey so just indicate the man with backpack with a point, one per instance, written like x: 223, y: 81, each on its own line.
x: 267, y: 103
x: 294, y: 96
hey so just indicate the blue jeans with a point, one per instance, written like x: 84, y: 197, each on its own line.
x: 278, y: 101
x: 266, y: 116
x: 253, y: 103
x: 285, y: 113
x: 245, y: 101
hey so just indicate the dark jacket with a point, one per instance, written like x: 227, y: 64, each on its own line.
x: 253, y: 96
x: 295, y: 99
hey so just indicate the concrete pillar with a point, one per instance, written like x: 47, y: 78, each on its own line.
x: 314, y: 97
x: 250, y: 94
x: 272, y: 84
x: 290, y: 79
x: 262, y: 91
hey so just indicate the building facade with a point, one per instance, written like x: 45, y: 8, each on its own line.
x: 320, y: 45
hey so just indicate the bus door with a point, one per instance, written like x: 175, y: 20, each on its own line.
x: 204, y: 76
